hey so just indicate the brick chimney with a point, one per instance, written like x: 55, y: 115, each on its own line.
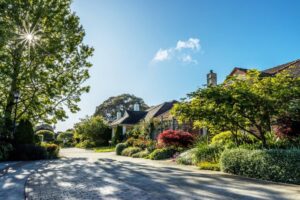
x: 211, y: 78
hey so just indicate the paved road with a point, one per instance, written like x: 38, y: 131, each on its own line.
x: 13, y: 177
x: 88, y: 175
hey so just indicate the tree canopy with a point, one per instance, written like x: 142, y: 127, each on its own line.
x: 93, y: 131
x: 42, y: 55
x: 109, y: 108
x: 252, y: 103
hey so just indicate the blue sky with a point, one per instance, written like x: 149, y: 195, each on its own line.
x: 162, y: 50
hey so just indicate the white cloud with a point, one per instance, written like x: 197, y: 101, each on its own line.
x: 192, y: 43
x: 188, y: 59
x: 182, y: 51
x: 161, y: 55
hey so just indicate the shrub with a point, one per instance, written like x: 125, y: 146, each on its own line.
x: 24, y: 133
x: 141, y: 154
x: 94, y: 129
x: 118, y: 136
x: 275, y: 165
x: 5, y: 150
x: 160, y: 154
x: 208, y: 153
x: 48, y: 136
x: 129, y: 151
x: 29, y: 152
x: 287, y: 127
x: 175, y: 138
x: 140, y: 142
x: 209, y: 166
x: 52, y: 150
x: 65, y: 138
x: 227, y: 138
x: 188, y: 157
x: 86, y: 144
x: 120, y: 147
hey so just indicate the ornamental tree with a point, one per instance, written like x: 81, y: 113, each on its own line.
x: 42, y: 55
x: 251, y: 103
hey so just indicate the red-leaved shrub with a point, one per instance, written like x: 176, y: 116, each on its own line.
x: 287, y: 128
x: 175, y: 138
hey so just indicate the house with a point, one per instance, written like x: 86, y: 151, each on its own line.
x: 293, y: 67
x: 159, y: 113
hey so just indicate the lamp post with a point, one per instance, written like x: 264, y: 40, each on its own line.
x: 16, y: 99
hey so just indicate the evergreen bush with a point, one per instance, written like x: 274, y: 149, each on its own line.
x: 273, y: 164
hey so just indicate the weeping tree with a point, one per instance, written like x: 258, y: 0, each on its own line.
x: 42, y: 56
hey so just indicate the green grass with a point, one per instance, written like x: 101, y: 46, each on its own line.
x: 104, y: 149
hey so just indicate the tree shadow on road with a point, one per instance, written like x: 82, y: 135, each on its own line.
x: 75, y: 178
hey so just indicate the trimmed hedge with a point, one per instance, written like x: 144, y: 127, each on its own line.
x: 160, y: 154
x: 130, y: 151
x: 120, y: 147
x: 29, y: 152
x: 52, y: 150
x: 274, y: 164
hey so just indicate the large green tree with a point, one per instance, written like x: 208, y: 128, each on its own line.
x: 42, y: 55
x: 251, y: 103
x: 109, y: 108
x: 94, y: 130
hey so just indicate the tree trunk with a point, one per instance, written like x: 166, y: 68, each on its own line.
x: 13, y: 88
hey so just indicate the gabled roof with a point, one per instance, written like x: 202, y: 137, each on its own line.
x: 134, y: 117
x: 159, y: 109
x: 295, y: 71
x: 238, y: 69
x: 130, y: 117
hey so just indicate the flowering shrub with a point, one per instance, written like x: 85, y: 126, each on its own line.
x: 175, y: 138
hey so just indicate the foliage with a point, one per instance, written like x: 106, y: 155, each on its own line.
x: 92, y: 132
x: 188, y: 157
x: 164, y: 153
x: 5, y: 150
x: 65, y: 138
x: 24, y: 133
x: 120, y: 147
x: 140, y: 142
x: 86, y: 144
x: 274, y: 164
x: 249, y: 103
x: 141, y: 154
x: 109, y: 108
x: 228, y: 139
x: 208, y: 153
x: 287, y: 127
x: 118, y: 136
x: 129, y: 151
x: 209, y: 166
x: 49, y: 68
x: 48, y: 136
x: 29, y: 152
x: 51, y: 149
x: 175, y: 138
x: 104, y: 149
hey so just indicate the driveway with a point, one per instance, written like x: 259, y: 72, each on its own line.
x: 84, y: 174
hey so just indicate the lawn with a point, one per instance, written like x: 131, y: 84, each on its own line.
x: 104, y: 149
